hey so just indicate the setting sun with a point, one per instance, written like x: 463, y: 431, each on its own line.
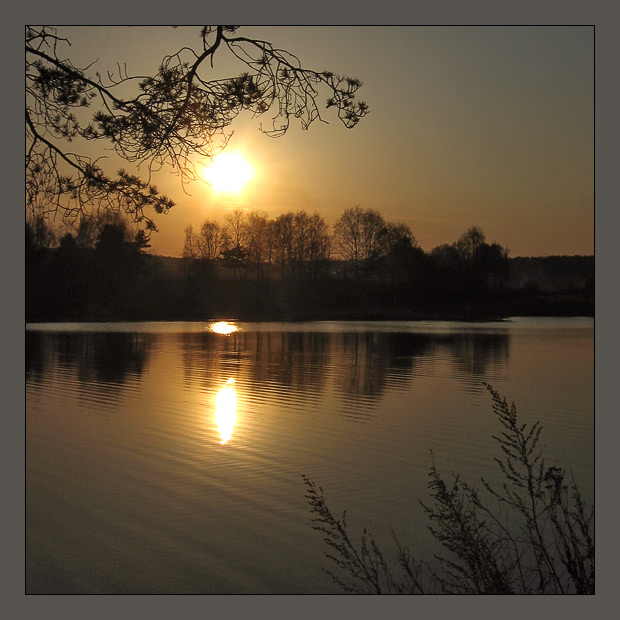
x: 229, y: 172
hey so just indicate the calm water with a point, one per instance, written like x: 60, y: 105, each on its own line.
x: 166, y: 457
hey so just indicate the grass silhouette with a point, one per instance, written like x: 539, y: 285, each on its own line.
x: 534, y: 535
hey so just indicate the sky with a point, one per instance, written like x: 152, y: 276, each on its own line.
x: 468, y: 126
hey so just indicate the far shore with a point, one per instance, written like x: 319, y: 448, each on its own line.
x: 499, y: 310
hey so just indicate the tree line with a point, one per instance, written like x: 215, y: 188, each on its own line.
x: 293, y: 266
x: 362, y: 245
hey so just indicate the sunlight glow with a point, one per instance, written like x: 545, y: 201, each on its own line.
x: 228, y: 172
x: 223, y: 327
x: 226, y: 410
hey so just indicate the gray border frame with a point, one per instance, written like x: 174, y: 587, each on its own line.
x: 599, y: 13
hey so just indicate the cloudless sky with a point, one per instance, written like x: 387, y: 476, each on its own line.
x: 487, y: 126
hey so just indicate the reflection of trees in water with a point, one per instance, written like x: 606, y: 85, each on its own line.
x: 117, y: 355
x: 473, y: 355
x: 483, y: 351
x: 295, y: 360
x: 208, y: 356
x: 362, y: 365
x: 362, y: 370
x: 373, y: 358
x: 38, y: 356
x: 104, y: 357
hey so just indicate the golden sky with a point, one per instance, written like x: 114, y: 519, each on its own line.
x: 487, y: 126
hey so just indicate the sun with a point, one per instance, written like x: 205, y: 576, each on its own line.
x: 228, y: 173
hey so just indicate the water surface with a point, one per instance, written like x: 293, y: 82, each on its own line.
x: 167, y: 457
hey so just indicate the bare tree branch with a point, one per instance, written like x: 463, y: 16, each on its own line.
x: 174, y: 118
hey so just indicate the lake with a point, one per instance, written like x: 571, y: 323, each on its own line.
x: 168, y: 457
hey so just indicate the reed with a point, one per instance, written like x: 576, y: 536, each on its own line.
x: 533, y: 535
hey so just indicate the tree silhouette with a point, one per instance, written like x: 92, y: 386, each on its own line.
x: 258, y: 241
x: 236, y: 254
x: 207, y: 244
x: 163, y: 120
x: 469, y: 242
x: 358, y: 236
x: 403, y: 258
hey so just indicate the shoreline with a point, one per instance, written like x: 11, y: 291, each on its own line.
x: 559, y: 307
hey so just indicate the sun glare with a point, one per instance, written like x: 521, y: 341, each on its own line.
x: 229, y: 173
x: 223, y: 327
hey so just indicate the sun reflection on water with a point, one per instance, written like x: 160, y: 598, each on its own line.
x: 226, y: 410
x: 223, y: 327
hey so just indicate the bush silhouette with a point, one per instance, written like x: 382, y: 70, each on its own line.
x: 547, y: 549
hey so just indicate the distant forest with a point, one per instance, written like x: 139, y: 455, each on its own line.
x: 293, y: 267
